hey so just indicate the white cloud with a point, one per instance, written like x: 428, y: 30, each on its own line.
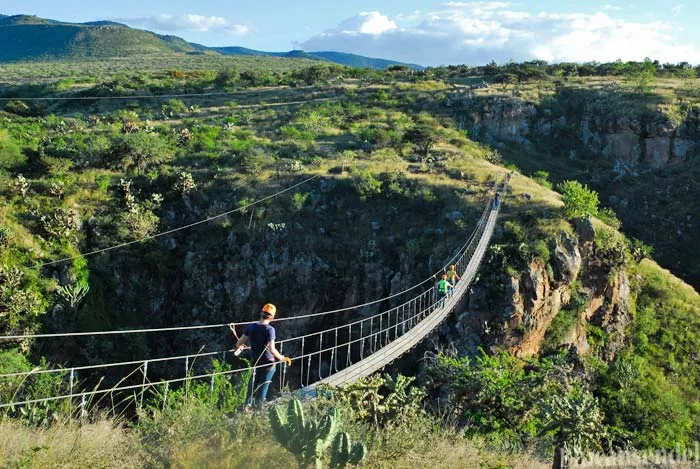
x: 477, y: 32
x: 187, y: 22
x: 372, y: 23
x: 239, y: 29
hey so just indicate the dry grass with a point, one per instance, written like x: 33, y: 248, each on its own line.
x: 101, y: 444
x: 464, y: 454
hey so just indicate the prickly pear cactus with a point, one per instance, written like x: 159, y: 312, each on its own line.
x: 344, y: 452
x: 307, y: 440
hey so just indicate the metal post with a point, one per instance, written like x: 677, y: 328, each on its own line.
x: 335, y: 347
x: 388, y: 326
x: 301, y: 372
x: 187, y: 374
x: 283, y: 369
x: 348, y: 360
x: 165, y: 394
x: 251, y: 395
x: 362, y: 341
x: 83, y: 411
x: 403, y: 318
x: 143, y: 383
x: 320, y: 354
x: 70, y: 401
x: 308, y: 370
x: 396, y: 324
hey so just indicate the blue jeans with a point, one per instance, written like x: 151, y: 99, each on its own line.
x: 261, y: 384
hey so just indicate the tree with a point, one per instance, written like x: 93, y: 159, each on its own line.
x: 575, y: 422
x: 139, y: 151
x: 579, y: 200
x: 425, y: 134
x: 645, y: 78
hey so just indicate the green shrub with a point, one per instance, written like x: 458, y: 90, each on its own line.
x: 366, y: 184
x: 609, y: 216
x: 19, y: 108
x: 541, y: 250
x: 299, y: 199
x: 579, y: 200
x: 379, y: 399
x: 560, y: 328
x: 611, y: 248
x: 491, y: 395
x: 34, y: 386
x: 11, y: 155
x: 5, y: 237
x: 639, y: 250
x: 139, y: 151
x: 542, y: 178
x: 173, y: 108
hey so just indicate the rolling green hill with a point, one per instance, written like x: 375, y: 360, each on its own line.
x: 342, y: 58
x: 25, y: 37
x: 29, y: 37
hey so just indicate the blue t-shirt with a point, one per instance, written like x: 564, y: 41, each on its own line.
x: 259, y: 335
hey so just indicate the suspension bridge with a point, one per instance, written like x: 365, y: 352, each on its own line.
x: 334, y: 356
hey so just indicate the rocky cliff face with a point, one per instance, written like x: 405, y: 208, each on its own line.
x: 519, y: 320
x: 641, y: 155
x: 653, y: 139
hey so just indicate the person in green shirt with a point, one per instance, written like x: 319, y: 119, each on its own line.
x: 443, y: 287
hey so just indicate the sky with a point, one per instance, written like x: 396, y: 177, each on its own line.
x: 415, y: 31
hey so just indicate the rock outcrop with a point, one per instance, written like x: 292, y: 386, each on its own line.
x: 652, y: 139
x: 531, y: 302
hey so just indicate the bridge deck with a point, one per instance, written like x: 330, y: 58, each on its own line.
x: 403, y: 344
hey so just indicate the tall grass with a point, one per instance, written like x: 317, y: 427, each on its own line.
x: 103, y: 443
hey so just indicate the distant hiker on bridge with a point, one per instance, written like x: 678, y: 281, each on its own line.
x: 260, y: 336
x: 443, y: 288
x: 452, y: 275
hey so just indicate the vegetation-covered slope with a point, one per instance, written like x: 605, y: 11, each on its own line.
x: 342, y: 58
x: 25, y: 40
x: 567, y: 313
x: 29, y: 38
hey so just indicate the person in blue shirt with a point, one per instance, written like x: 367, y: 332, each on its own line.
x: 260, y: 338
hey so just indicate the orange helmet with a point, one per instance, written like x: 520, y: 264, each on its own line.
x: 270, y: 310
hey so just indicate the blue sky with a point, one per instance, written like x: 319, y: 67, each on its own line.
x: 426, y: 32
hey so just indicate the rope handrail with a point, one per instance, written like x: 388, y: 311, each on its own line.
x: 389, y: 326
x: 195, y: 355
x: 180, y: 357
x: 212, y: 326
x: 208, y: 375
x: 179, y: 228
x: 107, y: 365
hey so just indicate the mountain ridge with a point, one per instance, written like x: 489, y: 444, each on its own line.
x: 343, y: 58
x: 30, y: 37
